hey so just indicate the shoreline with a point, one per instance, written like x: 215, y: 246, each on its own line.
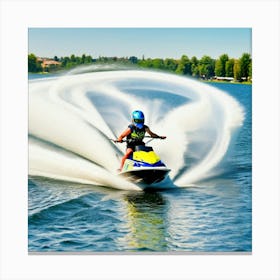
x: 225, y: 82
x: 201, y: 80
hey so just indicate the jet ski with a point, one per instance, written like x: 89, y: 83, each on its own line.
x: 144, y: 166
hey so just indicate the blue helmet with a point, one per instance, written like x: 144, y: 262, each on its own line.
x: 138, y: 118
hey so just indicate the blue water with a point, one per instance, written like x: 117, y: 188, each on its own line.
x: 214, y: 214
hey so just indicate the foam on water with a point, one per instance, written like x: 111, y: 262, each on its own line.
x: 72, y: 117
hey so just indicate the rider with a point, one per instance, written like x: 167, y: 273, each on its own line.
x: 135, y: 134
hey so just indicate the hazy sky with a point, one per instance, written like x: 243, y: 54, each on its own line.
x: 150, y: 42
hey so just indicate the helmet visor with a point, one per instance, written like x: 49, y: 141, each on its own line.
x: 138, y: 121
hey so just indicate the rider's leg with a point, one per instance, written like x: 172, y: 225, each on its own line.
x: 129, y: 151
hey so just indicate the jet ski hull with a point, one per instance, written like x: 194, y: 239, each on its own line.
x: 146, y: 175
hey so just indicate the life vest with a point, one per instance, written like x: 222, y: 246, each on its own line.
x: 137, y: 134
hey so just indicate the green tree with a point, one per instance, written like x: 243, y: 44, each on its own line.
x: 147, y: 63
x: 83, y: 58
x: 184, y: 66
x: 229, y: 68
x: 72, y: 58
x: 206, y: 67
x: 33, y: 64
x: 133, y: 59
x: 78, y: 60
x: 170, y: 64
x: 158, y: 63
x: 64, y: 61
x: 237, y: 70
x: 220, y: 65
x: 219, y: 68
x: 250, y: 70
x: 88, y: 59
x: 245, y: 61
x: 194, y: 66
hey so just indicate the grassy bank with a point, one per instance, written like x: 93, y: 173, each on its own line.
x: 225, y: 82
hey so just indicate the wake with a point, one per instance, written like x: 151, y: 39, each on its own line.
x: 72, y: 117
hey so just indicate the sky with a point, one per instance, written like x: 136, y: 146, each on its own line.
x: 147, y: 42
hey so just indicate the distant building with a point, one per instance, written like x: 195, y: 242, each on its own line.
x: 228, y: 79
x: 47, y: 63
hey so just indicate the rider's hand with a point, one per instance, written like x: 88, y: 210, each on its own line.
x: 118, y: 141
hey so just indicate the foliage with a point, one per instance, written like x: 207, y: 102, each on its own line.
x: 72, y: 61
x: 194, y: 67
x: 245, y: 68
x: 204, y: 68
x: 184, y: 66
x: 170, y: 64
x: 229, y: 68
x: 237, y: 70
x: 33, y: 64
x: 220, y: 66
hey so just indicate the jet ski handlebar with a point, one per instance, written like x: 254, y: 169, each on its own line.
x: 125, y: 141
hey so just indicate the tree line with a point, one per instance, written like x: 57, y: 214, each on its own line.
x: 205, y: 68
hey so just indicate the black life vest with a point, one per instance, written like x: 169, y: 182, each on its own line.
x: 137, y: 134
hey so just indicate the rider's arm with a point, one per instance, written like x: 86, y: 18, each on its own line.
x: 154, y: 135
x: 124, y: 134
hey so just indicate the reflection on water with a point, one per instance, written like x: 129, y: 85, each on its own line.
x: 146, y: 220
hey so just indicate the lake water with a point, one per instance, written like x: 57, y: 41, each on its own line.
x: 78, y: 204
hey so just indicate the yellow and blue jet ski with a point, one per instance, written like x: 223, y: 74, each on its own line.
x: 144, y: 166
